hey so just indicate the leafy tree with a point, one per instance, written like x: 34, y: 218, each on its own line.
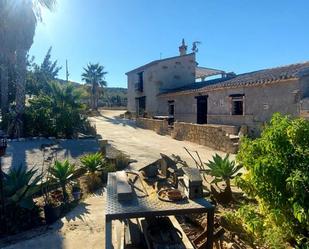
x: 66, y: 108
x: 114, y: 96
x: 40, y: 117
x: 278, y: 176
x: 39, y: 76
x: 94, y: 75
x: 57, y: 114
x: 17, y: 28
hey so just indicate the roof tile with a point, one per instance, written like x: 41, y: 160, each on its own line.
x: 251, y: 78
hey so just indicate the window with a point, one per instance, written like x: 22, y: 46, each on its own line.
x: 237, y: 104
x: 139, y: 86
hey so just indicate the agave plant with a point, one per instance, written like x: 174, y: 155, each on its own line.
x: 92, y: 162
x: 20, y: 185
x: 62, y: 172
x: 222, y: 169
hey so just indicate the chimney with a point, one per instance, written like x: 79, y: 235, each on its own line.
x: 183, y: 48
x: 229, y: 75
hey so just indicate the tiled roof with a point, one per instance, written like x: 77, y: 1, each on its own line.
x: 252, y: 78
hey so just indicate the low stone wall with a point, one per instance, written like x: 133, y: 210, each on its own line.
x: 159, y: 126
x: 214, y: 136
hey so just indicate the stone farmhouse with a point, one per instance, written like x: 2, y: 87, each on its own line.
x: 178, y: 88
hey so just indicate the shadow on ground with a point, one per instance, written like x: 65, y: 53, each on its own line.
x: 78, y: 213
x: 117, y: 120
x: 28, y: 153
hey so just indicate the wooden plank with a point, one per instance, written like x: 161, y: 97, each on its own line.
x: 185, y: 239
x: 118, y: 235
x: 124, y: 189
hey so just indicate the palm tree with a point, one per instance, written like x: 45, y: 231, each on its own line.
x: 17, y: 24
x: 6, y: 53
x: 66, y: 108
x: 94, y: 75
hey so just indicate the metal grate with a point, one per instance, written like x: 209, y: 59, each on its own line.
x: 148, y: 206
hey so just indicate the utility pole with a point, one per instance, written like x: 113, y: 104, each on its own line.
x: 67, y: 71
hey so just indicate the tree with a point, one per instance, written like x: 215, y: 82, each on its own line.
x: 55, y: 114
x: 277, y: 174
x: 39, y: 76
x: 17, y: 24
x: 66, y: 109
x: 94, y: 76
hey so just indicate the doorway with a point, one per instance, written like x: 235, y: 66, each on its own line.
x: 201, y: 109
x: 140, y: 105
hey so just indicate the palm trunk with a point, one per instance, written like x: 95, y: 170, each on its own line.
x: 16, y: 128
x: 96, y: 100
x: 21, y: 81
x: 4, y: 80
x: 64, y: 192
x: 92, y: 97
x: 228, y: 190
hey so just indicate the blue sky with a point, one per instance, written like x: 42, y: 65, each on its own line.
x: 236, y: 35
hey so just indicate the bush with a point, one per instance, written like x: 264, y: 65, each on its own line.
x: 62, y: 172
x: 254, y: 228
x: 278, y: 176
x: 222, y: 169
x: 92, y: 162
x: 57, y: 114
x: 21, y: 212
x: 39, y: 117
x: 122, y: 161
x: 109, y: 167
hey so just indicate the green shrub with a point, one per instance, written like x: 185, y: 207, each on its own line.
x: 122, y: 161
x: 20, y: 185
x: 62, y: 172
x: 21, y: 212
x: 222, y: 169
x: 57, y: 114
x: 92, y: 162
x: 255, y: 228
x: 109, y: 168
x: 39, y: 117
x: 277, y: 175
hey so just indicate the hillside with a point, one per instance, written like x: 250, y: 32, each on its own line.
x: 114, y: 96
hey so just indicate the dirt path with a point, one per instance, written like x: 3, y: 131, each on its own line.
x: 143, y: 145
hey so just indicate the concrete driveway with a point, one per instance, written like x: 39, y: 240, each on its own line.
x: 142, y: 145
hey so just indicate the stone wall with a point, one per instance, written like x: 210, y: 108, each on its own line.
x: 159, y: 126
x: 157, y: 77
x: 260, y: 102
x: 220, y: 137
